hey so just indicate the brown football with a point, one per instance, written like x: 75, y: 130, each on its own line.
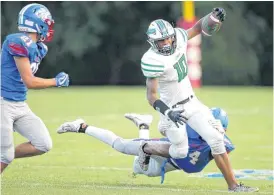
x: 210, y: 24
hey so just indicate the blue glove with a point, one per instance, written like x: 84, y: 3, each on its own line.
x: 62, y: 79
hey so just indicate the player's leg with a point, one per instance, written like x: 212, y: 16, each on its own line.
x: 7, y: 145
x: 200, y: 122
x: 32, y: 128
x: 126, y: 146
x: 177, y: 137
x: 143, y: 122
x: 151, y: 146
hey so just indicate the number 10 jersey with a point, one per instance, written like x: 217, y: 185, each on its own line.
x: 171, y: 71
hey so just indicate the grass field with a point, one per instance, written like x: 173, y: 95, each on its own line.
x: 79, y: 164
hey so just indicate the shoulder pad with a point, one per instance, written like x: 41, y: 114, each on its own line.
x: 17, y: 45
x: 151, y: 67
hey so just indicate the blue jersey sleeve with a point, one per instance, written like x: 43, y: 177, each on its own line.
x: 18, y: 46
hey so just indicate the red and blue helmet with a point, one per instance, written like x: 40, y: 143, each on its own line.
x: 221, y: 115
x: 36, y: 18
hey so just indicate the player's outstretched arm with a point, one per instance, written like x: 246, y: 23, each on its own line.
x: 208, y: 24
x: 159, y: 105
x: 32, y: 82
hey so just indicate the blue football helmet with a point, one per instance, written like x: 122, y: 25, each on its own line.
x: 221, y: 115
x: 36, y: 18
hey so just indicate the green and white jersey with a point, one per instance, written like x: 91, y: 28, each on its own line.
x: 171, y: 71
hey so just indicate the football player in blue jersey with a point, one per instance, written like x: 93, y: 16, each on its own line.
x: 160, y: 162
x: 21, y: 55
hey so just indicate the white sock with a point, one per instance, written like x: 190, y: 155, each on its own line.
x: 144, y: 133
x: 103, y: 135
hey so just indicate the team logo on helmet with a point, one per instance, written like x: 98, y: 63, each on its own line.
x: 43, y: 13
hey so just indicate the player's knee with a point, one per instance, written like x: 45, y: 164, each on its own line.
x: 44, y: 145
x: 217, y: 145
x: 178, y: 151
x: 119, y: 145
x: 7, y: 155
x: 48, y: 145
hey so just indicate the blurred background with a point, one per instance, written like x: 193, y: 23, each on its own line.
x: 101, y: 43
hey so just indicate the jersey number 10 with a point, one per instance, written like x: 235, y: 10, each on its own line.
x: 181, y: 68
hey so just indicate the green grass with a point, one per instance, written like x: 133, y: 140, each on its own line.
x: 76, y: 163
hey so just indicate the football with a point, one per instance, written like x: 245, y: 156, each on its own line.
x: 210, y: 24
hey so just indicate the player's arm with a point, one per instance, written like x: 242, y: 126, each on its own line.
x: 18, y: 49
x: 195, y: 30
x: 32, y: 82
x: 159, y: 105
x: 152, y: 86
x: 152, y: 96
x: 219, y: 13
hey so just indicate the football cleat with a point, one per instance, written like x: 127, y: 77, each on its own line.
x: 144, y: 158
x: 139, y: 119
x: 242, y: 188
x: 73, y: 126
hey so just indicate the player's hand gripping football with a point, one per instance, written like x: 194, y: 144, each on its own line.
x: 62, y: 79
x: 219, y: 13
x: 177, y: 117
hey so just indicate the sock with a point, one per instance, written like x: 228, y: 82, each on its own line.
x: 103, y: 135
x: 143, y: 134
x: 83, y: 128
x: 144, y: 131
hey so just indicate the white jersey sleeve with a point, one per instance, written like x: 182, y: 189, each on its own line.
x: 183, y: 34
x: 151, y: 67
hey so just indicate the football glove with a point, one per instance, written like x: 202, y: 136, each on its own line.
x: 177, y: 117
x: 62, y: 80
x: 220, y: 13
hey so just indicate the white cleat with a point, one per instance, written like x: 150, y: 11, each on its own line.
x: 242, y: 188
x: 139, y: 119
x: 73, y: 126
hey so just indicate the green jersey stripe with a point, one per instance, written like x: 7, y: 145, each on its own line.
x: 147, y: 70
x: 150, y: 77
x: 152, y: 65
x: 184, y: 34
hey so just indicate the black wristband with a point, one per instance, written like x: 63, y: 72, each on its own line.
x: 160, y: 106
